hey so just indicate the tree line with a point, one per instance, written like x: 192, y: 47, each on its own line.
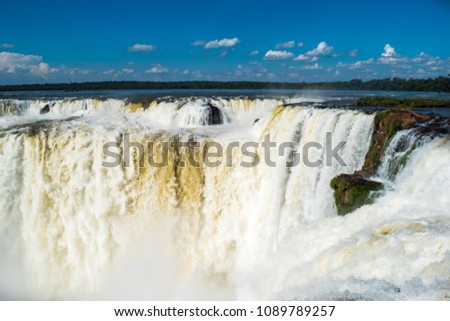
x: 438, y: 84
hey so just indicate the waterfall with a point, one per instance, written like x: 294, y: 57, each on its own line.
x: 235, y: 227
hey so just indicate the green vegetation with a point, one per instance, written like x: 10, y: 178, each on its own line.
x: 352, y: 192
x: 379, y: 142
x: 386, y: 124
x: 401, y: 103
x: 439, y: 84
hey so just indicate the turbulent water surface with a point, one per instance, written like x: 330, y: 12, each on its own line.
x: 71, y: 228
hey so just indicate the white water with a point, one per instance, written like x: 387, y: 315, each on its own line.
x: 73, y: 229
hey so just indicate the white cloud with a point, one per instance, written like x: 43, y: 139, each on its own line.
x: 285, y: 45
x: 353, y: 53
x: 198, y: 43
x: 186, y: 72
x: 12, y: 62
x: 223, y: 54
x: 311, y: 67
x: 141, y: 47
x: 127, y: 70
x: 197, y: 74
x: 42, y: 69
x: 422, y: 72
x: 157, y: 69
x: 356, y: 65
x: 390, y: 56
x: 109, y: 72
x: 288, y: 45
x: 391, y: 64
x: 278, y: 55
x: 254, y: 53
x: 77, y: 71
x: 6, y: 46
x: 322, y: 50
x: 302, y: 58
x: 225, y: 42
x: 306, y: 58
x: 389, y: 51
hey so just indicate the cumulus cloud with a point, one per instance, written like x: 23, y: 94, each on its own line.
x: 77, y: 71
x: 127, y: 70
x: 6, y: 46
x: 390, y: 56
x: 254, y: 53
x: 357, y: 65
x: 306, y: 58
x: 109, y: 72
x: 198, y: 43
x: 286, y: 45
x: 322, y: 49
x: 157, y: 69
x: 302, y: 58
x: 223, y: 43
x: 42, y: 69
x: 389, y: 51
x: 12, y: 62
x: 278, y: 55
x: 141, y: 47
x: 390, y: 63
x: 311, y: 67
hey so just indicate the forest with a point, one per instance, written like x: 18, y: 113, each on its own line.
x: 438, y: 84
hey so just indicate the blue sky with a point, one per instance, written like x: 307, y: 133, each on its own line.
x: 284, y: 40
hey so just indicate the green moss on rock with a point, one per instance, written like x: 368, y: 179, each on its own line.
x: 386, y: 124
x: 352, y: 192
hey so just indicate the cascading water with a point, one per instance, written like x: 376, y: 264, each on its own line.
x: 234, y: 228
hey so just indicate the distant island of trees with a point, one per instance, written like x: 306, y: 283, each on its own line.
x: 438, y: 84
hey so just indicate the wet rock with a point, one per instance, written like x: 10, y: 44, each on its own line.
x: 215, y: 115
x: 352, y: 191
x: 45, y: 109
x: 386, y: 125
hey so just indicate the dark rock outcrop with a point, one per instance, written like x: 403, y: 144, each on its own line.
x: 386, y: 125
x: 45, y: 109
x: 215, y: 115
x: 353, y: 191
